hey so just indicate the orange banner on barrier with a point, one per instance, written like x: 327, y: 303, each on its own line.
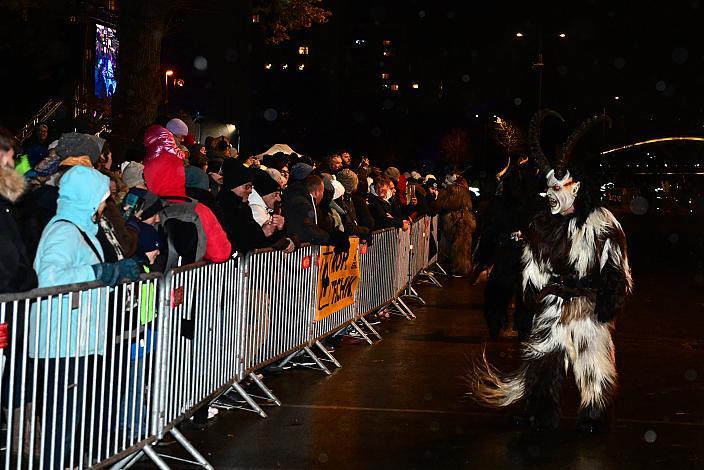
x: 338, y: 278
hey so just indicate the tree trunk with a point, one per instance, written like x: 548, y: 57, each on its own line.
x: 134, y: 106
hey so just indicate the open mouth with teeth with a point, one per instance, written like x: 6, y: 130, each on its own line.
x: 552, y: 201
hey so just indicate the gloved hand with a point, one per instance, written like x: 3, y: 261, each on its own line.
x: 111, y: 274
x: 340, y: 240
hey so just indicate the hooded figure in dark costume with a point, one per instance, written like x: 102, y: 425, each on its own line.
x: 501, y: 242
x: 576, y: 274
x: 457, y: 224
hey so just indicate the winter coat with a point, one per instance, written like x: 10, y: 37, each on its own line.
x: 16, y: 273
x: 361, y: 208
x: 165, y: 176
x: 244, y: 232
x: 301, y: 215
x: 457, y: 224
x: 65, y: 257
x: 348, y: 216
x: 383, y: 213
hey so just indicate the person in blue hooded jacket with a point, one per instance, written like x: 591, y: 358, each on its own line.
x: 71, y: 335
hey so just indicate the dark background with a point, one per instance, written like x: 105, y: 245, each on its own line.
x: 463, y: 55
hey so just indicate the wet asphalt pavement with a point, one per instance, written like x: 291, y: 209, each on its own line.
x: 402, y: 403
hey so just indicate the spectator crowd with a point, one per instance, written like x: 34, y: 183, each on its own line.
x: 71, y: 215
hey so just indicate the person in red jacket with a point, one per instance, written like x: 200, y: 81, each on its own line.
x: 165, y: 176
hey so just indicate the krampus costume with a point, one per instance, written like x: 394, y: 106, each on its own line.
x: 506, y: 220
x: 457, y: 224
x: 576, y: 274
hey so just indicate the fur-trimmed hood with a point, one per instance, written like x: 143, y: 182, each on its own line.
x: 12, y: 184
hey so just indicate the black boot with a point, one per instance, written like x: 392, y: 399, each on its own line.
x: 592, y: 420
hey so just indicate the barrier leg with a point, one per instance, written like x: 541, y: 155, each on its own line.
x: 326, y: 353
x: 267, y: 391
x: 442, y: 270
x: 130, y: 460
x: 413, y: 294
x: 156, y: 458
x: 432, y: 278
x: 253, y: 406
x: 190, y: 449
x: 400, y: 310
x: 370, y: 327
x: 288, y: 359
x: 320, y: 364
x: 403, y: 304
x: 361, y: 332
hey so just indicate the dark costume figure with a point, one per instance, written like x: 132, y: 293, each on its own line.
x: 501, y: 243
x: 457, y: 224
x: 505, y: 221
x: 577, y: 276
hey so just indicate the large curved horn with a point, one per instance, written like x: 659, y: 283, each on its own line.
x: 536, y: 151
x: 574, y: 138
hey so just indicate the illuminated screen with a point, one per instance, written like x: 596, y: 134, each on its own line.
x: 106, y: 48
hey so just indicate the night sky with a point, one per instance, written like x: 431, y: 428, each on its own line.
x: 464, y: 56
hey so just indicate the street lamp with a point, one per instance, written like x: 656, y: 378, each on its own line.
x: 167, y: 74
x: 539, y: 64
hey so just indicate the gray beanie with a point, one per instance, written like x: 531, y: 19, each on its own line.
x: 73, y: 144
x: 177, y: 127
x: 133, y: 174
x: 393, y: 173
x: 300, y: 171
x: 349, y: 180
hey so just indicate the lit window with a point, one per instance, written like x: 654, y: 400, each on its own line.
x: 387, y: 42
x: 384, y: 76
x: 387, y: 53
x: 385, y: 85
x: 415, y: 86
x: 284, y: 66
x: 255, y: 18
x: 303, y: 50
x: 301, y: 67
x: 394, y: 87
x: 267, y: 66
x: 360, y: 42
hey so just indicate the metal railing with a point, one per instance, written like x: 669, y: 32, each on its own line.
x: 78, y: 368
x: 96, y: 375
x: 44, y: 113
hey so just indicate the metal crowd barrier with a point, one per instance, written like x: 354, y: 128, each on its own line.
x: 280, y: 297
x: 95, y: 375
x: 434, y: 221
x: 77, y: 370
x: 379, y: 270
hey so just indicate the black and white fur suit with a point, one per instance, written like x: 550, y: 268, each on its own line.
x: 576, y: 275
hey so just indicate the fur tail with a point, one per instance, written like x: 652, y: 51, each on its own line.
x: 492, y: 388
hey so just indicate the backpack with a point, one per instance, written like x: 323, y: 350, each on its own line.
x: 183, y: 210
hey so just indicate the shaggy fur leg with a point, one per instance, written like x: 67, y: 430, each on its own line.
x: 593, y: 361
x: 543, y: 380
